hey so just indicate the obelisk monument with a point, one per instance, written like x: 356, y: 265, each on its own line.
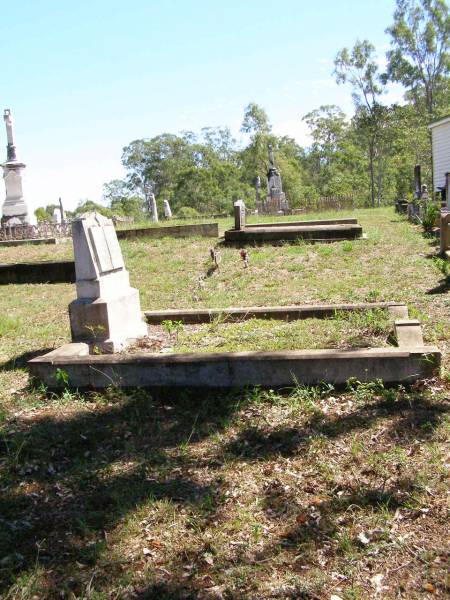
x: 14, y: 206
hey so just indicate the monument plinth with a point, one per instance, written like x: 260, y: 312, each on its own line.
x: 107, y: 312
x: 14, y: 205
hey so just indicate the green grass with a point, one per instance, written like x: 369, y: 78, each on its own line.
x: 245, y: 494
x: 368, y: 329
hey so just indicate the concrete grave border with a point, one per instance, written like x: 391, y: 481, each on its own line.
x: 350, y: 221
x: 277, y: 233
x: 33, y: 241
x: 284, y: 313
x: 61, y: 271
x: 407, y: 363
x: 176, y: 231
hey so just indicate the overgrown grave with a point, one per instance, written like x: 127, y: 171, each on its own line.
x: 329, y: 230
x: 106, y: 320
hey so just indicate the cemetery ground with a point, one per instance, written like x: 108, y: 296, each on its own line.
x: 302, y: 493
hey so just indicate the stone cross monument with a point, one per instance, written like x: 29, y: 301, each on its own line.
x: 276, y: 200
x: 14, y: 205
x: 107, y: 312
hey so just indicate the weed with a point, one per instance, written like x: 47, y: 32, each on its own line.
x: 8, y: 325
x: 347, y: 246
x: 61, y: 377
x: 173, y: 328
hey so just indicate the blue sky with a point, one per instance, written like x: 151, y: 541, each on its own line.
x: 85, y: 78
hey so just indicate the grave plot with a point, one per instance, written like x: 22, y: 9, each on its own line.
x: 312, y: 231
x: 208, y: 368
x: 106, y: 317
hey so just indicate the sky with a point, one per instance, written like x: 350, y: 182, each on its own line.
x: 83, y: 79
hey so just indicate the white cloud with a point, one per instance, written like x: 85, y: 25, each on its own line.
x: 295, y: 128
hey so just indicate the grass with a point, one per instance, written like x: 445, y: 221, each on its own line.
x: 369, y: 329
x: 250, y: 494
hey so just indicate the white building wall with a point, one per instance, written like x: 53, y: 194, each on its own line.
x: 440, y: 136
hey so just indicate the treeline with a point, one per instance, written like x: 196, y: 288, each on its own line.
x: 370, y: 155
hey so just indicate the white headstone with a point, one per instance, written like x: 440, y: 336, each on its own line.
x: 107, y: 311
x: 154, y: 208
x: 239, y: 214
x: 57, y: 215
x: 167, y: 209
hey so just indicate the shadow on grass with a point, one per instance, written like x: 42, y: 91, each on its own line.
x: 20, y: 361
x: 418, y: 420
x: 442, y: 288
x: 69, y: 481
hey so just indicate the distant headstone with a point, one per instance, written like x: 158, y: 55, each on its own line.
x: 61, y: 210
x: 258, y: 203
x: 154, y: 208
x: 107, y: 312
x: 239, y: 214
x: 57, y: 215
x: 167, y: 210
x: 417, y: 182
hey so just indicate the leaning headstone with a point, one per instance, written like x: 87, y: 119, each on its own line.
x: 107, y: 312
x: 167, y: 209
x: 154, y: 208
x: 239, y: 214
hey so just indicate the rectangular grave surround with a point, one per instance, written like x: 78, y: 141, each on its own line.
x: 404, y: 364
x: 278, y: 232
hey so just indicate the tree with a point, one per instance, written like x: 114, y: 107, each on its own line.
x: 256, y: 121
x: 359, y: 68
x: 153, y: 165
x: 85, y: 206
x: 117, y: 189
x: 419, y: 58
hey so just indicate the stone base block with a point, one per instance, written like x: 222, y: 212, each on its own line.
x: 107, y: 325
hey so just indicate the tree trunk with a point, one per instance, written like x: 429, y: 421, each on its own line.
x: 380, y: 180
x: 372, y: 175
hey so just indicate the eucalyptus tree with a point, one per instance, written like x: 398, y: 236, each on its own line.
x: 419, y: 58
x: 359, y: 68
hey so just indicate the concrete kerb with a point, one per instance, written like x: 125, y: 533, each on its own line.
x: 62, y: 271
x: 235, y: 369
x: 284, y: 313
x: 177, y: 231
x: 308, y: 233
x: 349, y: 221
x: 411, y: 361
x: 32, y: 241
